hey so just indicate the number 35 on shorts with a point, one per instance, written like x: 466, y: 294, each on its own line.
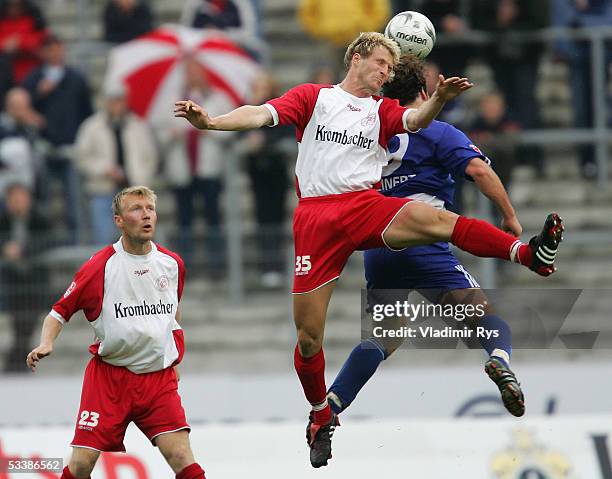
x: 302, y: 265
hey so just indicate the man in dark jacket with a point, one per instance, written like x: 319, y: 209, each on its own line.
x: 23, y: 278
x: 61, y: 94
x: 125, y: 20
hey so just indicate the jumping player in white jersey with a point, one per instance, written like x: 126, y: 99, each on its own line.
x: 130, y: 293
x: 342, y: 132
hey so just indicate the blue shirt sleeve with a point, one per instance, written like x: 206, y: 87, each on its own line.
x: 455, y: 150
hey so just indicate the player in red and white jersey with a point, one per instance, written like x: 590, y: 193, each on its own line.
x: 342, y: 132
x: 130, y: 293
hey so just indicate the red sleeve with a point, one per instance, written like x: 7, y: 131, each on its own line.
x: 296, y: 106
x: 391, y: 116
x: 87, y: 288
x: 181, y: 268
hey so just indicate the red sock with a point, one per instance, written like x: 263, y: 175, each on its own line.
x: 480, y: 238
x: 311, y: 372
x: 192, y: 471
x: 66, y: 474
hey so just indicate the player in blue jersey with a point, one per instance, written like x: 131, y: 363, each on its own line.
x: 422, y: 166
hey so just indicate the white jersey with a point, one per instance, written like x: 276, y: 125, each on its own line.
x: 131, y: 303
x: 342, y: 139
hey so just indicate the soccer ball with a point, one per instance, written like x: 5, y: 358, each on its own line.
x: 413, y: 32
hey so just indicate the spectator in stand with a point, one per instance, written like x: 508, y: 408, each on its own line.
x: 115, y: 149
x: 125, y: 20
x: 494, y: 131
x: 339, y: 21
x: 268, y: 152
x: 62, y: 95
x: 514, y: 63
x: 446, y: 18
x: 582, y: 14
x: 455, y: 111
x: 6, y: 76
x: 194, y: 162
x: 19, y: 126
x: 236, y: 18
x: 24, y: 234
x: 22, y: 32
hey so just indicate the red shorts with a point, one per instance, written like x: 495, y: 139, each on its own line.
x: 327, y: 229
x: 113, y: 396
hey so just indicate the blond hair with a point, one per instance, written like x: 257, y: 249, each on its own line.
x: 365, y: 43
x: 142, y: 191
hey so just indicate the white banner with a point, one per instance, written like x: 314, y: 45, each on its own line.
x: 534, y: 448
x: 417, y: 391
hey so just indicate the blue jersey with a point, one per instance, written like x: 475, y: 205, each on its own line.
x: 427, y: 161
x: 422, y: 165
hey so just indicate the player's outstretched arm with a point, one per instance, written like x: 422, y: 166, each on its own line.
x: 246, y: 117
x: 50, y: 331
x: 446, y: 90
x: 491, y: 186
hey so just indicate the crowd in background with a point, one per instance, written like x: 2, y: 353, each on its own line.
x: 54, y: 144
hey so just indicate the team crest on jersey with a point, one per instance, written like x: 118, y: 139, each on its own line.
x: 70, y: 289
x: 162, y: 282
x: 369, y: 120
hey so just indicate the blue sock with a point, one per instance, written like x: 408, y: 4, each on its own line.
x: 500, y: 346
x: 356, y: 371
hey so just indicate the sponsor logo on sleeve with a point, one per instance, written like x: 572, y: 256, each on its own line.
x: 476, y: 149
x: 70, y: 289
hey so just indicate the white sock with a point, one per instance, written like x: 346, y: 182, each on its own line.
x: 500, y: 353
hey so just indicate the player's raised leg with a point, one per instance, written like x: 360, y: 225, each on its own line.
x: 176, y: 449
x: 419, y: 224
x: 309, y: 312
x: 81, y: 463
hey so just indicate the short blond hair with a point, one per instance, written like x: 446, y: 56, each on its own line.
x: 365, y: 43
x: 142, y: 191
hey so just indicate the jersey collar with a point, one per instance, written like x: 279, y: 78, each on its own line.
x: 118, y: 246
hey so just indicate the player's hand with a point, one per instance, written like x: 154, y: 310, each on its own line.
x: 512, y: 226
x: 194, y: 113
x: 42, y: 351
x: 449, y: 88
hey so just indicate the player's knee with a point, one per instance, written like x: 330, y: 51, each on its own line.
x: 308, y: 344
x: 82, y: 462
x: 179, y: 457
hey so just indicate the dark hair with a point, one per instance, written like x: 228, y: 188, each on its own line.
x: 408, y: 81
x: 29, y: 8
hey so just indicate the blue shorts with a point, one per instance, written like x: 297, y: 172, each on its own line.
x: 420, y: 267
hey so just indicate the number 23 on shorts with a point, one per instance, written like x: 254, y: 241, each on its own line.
x: 88, y: 419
